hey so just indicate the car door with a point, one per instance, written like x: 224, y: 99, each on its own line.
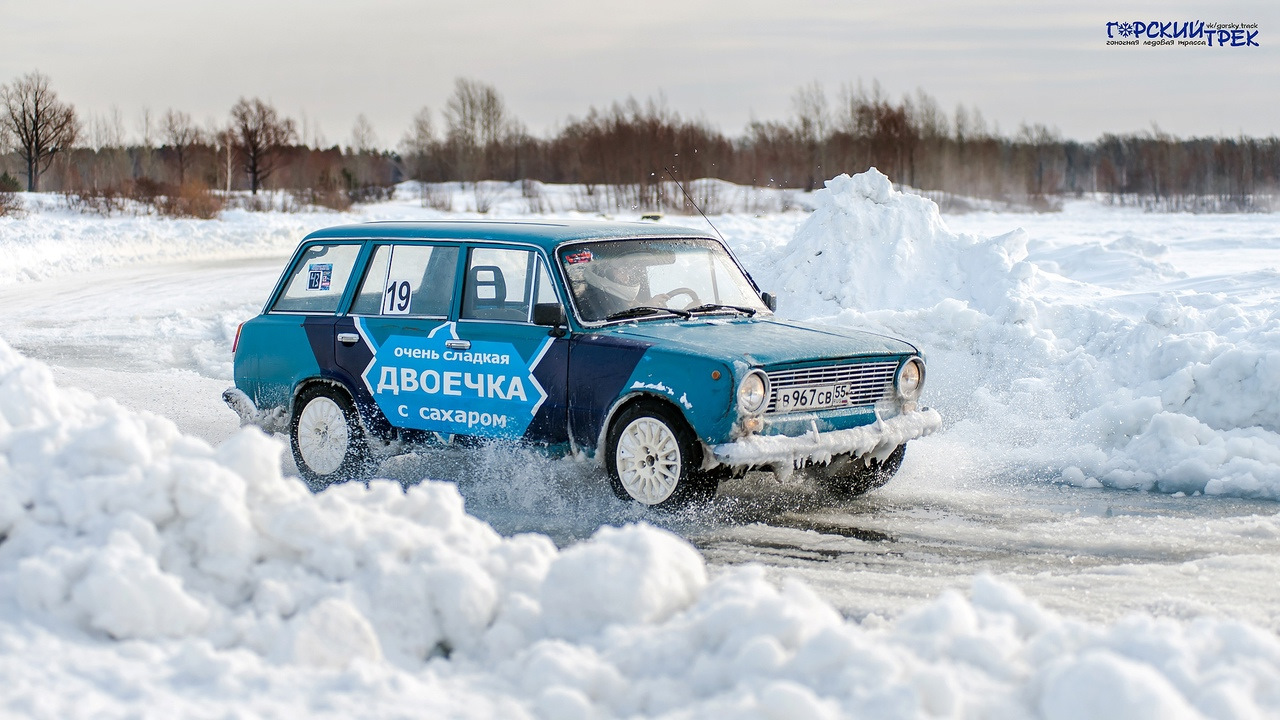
x: 423, y: 368
x: 407, y: 290
x: 512, y: 371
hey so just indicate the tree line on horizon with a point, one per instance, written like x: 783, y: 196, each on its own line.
x: 623, y: 155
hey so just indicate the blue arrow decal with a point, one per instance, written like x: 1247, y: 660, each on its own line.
x: 487, y: 389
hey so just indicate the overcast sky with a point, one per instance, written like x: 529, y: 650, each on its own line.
x: 725, y: 61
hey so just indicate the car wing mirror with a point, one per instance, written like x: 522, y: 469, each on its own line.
x: 770, y: 301
x: 551, y: 315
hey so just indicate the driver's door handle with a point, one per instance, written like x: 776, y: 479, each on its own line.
x: 347, y: 338
x: 458, y: 344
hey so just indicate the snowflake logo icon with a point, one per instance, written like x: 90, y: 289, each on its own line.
x: 1126, y: 29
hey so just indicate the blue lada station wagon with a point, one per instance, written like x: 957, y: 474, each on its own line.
x: 647, y: 347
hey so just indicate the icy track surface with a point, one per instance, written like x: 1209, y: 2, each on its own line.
x: 1094, y: 532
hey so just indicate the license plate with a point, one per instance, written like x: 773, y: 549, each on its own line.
x: 813, y: 397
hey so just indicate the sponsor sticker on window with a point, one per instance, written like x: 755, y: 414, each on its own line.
x: 319, y: 276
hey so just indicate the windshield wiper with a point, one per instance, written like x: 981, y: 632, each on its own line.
x: 643, y: 310
x: 708, y: 307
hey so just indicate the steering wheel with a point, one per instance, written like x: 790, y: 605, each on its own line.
x: 663, y: 298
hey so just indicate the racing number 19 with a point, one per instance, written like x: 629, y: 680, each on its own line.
x: 395, y: 299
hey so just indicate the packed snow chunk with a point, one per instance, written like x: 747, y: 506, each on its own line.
x: 1101, y: 685
x: 634, y: 574
x: 571, y: 678
x: 784, y: 700
x: 126, y: 594
x: 333, y: 634
x: 1237, y: 387
x: 870, y: 247
x: 1177, y: 453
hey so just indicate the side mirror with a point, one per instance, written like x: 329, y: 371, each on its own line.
x: 551, y: 315
x: 770, y: 301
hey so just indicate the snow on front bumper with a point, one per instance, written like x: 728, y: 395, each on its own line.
x: 782, y: 451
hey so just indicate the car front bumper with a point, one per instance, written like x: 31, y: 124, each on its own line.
x: 783, y: 452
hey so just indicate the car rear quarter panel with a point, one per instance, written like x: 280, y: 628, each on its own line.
x: 274, y: 355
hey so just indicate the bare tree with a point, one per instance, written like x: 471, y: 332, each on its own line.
x: 226, y: 139
x: 477, y: 121
x: 108, y: 165
x: 363, y: 138
x: 1038, y: 151
x: 147, y: 127
x: 362, y: 153
x: 144, y: 155
x: 41, y: 125
x: 107, y: 131
x: 810, y: 103
x: 260, y: 135
x: 181, y: 134
x: 418, y: 144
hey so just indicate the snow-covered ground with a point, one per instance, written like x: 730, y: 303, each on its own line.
x: 1094, y: 533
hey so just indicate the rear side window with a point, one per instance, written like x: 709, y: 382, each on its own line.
x: 412, y: 280
x: 318, y: 280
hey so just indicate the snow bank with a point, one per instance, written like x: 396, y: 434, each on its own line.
x: 1088, y: 382
x: 51, y: 243
x: 144, y: 572
x: 49, y: 240
x: 868, y: 246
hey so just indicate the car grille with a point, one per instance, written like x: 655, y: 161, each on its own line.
x: 866, y: 384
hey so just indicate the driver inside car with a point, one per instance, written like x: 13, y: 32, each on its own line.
x: 618, y: 278
x: 608, y: 286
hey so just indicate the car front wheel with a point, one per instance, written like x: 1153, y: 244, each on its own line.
x: 327, y: 438
x: 653, y: 458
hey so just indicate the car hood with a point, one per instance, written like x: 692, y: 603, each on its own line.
x: 761, y: 341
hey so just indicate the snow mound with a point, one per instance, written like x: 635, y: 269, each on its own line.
x: 52, y: 244
x: 1172, y: 390
x: 867, y: 246
x: 141, y: 565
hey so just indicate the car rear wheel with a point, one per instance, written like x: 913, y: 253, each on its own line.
x: 327, y: 438
x: 848, y: 476
x: 653, y: 458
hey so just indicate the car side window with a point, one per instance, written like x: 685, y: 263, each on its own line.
x: 413, y: 280
x: 497, y: 285
x: 319, y: 279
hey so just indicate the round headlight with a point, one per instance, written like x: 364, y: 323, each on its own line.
x: 911, y: 378
x: 753, y: 392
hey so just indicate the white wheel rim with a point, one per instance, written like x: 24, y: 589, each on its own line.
x: 648, y: 460
x: 323, y: 435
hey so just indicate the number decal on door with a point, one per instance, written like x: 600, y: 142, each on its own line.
x: 396, y: 298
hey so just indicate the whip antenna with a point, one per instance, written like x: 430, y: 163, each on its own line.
x: 695, y: 205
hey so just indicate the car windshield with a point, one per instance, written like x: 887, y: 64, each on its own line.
x: 631, y: 279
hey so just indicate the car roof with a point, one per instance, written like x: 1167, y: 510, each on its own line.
x: 548, y: 234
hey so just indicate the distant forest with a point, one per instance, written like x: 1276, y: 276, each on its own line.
x: 624, y: 155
